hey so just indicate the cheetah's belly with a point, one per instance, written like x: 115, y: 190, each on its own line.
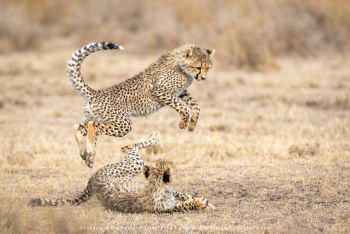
x: 144, y: 106
x: 165, y: 201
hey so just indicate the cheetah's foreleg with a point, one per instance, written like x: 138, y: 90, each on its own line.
x: 198, y: 203
x: 195, y: 110
x: 182, y: 196
x: 177, y: 104
x: 187, y: 197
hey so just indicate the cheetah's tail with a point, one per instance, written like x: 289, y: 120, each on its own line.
x: 74, y: 65
x: 49, y: 202
x: 87, y: 194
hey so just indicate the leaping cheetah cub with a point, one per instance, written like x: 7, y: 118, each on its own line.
x: 164, y: 82
x: 113, y: 185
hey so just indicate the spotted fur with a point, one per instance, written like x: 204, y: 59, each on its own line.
x: 164, y: 83
x: 156, y: 196
x: 117, y: 175
x: 113, y: 185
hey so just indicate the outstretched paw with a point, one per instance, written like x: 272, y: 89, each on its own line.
x: 183, y: 124
x: 200, y: 203
x: 185, y: 117
x: 126, y: 149
x: 193, y: 121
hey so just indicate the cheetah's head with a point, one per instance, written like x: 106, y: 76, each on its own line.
x: 195, y: 61
x: 159, y: 170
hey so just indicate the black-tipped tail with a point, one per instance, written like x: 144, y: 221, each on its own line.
x: 111, y: 46
x: 74, y: 65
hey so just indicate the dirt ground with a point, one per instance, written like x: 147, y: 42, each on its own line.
x: 271, y: 150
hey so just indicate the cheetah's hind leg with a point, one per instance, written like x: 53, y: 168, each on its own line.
x: 90, y: 144
x: 79, y: 131
x: 117, y: 128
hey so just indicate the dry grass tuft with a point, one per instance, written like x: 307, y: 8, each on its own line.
x: 308, y: 149
x: 20, y: 218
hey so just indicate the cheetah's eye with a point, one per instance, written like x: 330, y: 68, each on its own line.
x: 199, y: 68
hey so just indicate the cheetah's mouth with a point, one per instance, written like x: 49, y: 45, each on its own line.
x: 199, y: 78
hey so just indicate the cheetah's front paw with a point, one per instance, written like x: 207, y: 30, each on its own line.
x: 200, y: 203
x: 193, y: 121
x: 183, y: 124
x: 185, y: 116
x: 126, y: 149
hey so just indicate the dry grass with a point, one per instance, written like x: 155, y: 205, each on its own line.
x: 272, y: 148
x: 246, y: 33
x: 271, y: 151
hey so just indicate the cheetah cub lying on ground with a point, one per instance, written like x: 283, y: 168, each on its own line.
x: 163, y: 83
x: 114, y: 186
x: 156, y: 196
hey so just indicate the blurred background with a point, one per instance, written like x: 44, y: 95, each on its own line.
x: 246, y: 33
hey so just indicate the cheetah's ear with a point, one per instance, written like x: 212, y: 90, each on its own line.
x: 146, y: 171
x: 189, y: 53
x: 166, y: 176
x: 211, y: 52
